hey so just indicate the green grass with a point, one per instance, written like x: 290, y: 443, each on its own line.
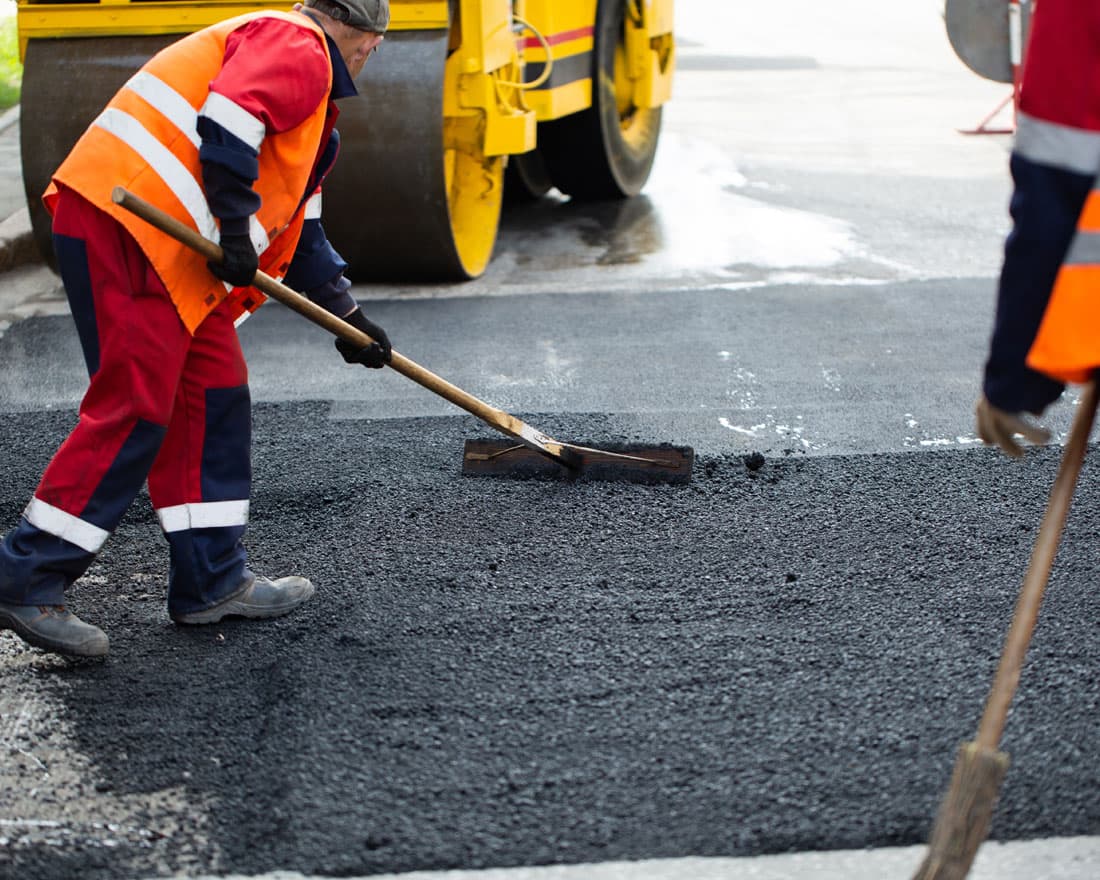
x: 11, y: 71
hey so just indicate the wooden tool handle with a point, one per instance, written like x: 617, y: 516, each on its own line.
x: 184, y: 234
x: 1038, y: 573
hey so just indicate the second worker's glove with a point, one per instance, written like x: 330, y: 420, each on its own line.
x: 997, y: 427
x: 375, y: 355
x: 239, y: 261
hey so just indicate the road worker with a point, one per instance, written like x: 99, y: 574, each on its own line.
x: 1046, y: 331
x: 231, y: 131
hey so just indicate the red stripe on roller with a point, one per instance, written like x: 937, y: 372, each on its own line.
x: 563, y: 37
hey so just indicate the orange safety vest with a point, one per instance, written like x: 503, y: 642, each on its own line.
x: 146, y: 140
x: 1067, y: 346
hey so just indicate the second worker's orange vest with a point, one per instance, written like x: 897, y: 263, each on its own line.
x: 1067, y: 346
x: 146, y: 140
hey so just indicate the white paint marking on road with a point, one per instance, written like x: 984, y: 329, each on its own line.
x: 961, y: 440
x: 1066, y: 858
x: 748, y: 432
x: 61, y: 803
x: 29, y: 823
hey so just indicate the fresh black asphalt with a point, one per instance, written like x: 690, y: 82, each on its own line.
x: 498, y: 672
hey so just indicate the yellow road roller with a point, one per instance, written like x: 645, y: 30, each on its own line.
x: 466, y: 97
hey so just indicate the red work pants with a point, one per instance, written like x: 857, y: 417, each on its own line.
x: 161, y: 405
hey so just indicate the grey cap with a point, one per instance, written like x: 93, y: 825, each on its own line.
x: 366, y: 15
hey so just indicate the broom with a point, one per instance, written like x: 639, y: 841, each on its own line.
x: 963, y: 820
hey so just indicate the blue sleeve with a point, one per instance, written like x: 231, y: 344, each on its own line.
x: 334, y: 296
x: 229, y: 168
x: 1046, y: 202
x: 315, y: 260
x: 325, y: 160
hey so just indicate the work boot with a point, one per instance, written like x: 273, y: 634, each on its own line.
x: 54, y: 628
x: 258, y: 597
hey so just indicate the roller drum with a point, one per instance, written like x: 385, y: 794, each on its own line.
x: 398, y: 205
x: 66, y: 83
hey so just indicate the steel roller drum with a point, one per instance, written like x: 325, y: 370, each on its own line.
x: 979, y: 33
x: 395, y: 207
x: 66, y: 82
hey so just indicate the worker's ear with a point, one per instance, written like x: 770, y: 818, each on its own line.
x: 374, y: 43
x: 362, y: 44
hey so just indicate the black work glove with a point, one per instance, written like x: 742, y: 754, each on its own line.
x: 375, y: 355
x: 239, y: 261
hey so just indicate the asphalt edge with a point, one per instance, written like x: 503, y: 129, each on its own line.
x: 17, y: 245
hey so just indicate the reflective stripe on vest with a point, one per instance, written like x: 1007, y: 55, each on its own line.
x: 173, y: 106
x: 171, y: 170
x: 136, y: 142
x: 1067, y: 346
x: 169, y: 102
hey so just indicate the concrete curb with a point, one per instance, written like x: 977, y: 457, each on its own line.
x: 9, y: 118
x: 17, y: 245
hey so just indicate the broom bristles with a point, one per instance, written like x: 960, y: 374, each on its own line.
x: 965, y: 814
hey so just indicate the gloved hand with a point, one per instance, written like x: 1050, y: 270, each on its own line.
x: 239, y: 261
x: 997, y: 427
x: 375, y: 355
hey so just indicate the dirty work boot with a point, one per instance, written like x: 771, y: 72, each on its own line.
x: 54, y: 628
x: 258, y: 597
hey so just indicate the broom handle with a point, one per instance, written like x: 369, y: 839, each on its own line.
x: 184, y: 234
x: 1038, y: 573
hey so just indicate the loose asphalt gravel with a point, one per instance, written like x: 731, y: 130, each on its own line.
x: 782, y: 655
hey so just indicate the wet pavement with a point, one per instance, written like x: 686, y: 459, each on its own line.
x: 817, y: 370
